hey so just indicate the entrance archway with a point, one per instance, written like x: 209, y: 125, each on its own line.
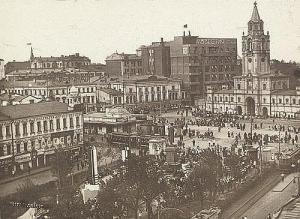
x: 265, y: 111
x: 239, y: 110
x: 250, y: 105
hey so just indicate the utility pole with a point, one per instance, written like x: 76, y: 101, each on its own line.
x: 260, y: 163
x: 279, y: 152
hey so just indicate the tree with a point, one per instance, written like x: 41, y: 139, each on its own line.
x: 141, y: 183
x: 109, y: 203
x: 233, y: 162
x: 70, y: 205
x: 62, y: 166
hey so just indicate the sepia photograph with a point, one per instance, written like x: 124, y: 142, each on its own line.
x: 150, y: 109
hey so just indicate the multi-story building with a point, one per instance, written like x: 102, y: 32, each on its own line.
x: 30, y: 134
x: 202, y: 62
x: 62, y: 62
x: 258, y: 91
x: 72, y: 94
x: 150, y: 91
x: 124, y: 65
x: 15, y: 66
x: 14, y: 99
x: 156, y: 59
x: 109, y: 96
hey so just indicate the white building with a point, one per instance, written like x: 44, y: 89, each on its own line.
x: 258, y: 91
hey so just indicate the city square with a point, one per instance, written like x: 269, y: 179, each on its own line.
x: 186, y: 127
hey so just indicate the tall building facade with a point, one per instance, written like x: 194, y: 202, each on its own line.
x: 202, y: 62
x: 156, y: 59
x: 30, y: 134
x: 123, y: 65
x: 258, y: 91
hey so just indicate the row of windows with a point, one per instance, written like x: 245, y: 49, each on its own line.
x: 219, y: 68
x: 280, y: 100
x: 45, y: 129
x: 287, y: 101
x: 133, y: 63
x: 27, y: 146
x: 43, y: 91
x: 152, y: 89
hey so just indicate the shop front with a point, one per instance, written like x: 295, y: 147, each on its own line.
x: 50, y: 157
x: 23, y: 162
x: 6, y: 166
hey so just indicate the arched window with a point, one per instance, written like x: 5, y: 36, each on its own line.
x: 249, y: 44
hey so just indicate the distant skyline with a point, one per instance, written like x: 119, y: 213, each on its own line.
x: 97, y: 28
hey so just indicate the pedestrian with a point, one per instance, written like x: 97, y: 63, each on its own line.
x: 28, y: 170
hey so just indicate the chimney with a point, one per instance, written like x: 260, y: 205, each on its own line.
x: 189, y: 33
x: 161, y: 40
x: 183, y: 33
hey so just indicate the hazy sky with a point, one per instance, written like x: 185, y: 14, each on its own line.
x: 97, y: 28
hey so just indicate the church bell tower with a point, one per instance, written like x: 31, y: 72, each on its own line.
x: 256, y: 47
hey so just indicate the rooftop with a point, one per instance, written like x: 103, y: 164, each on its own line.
x: 145, y: 78
x: 111, y: 91
x: 30, y: 110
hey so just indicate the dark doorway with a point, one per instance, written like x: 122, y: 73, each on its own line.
x: 250, y: 103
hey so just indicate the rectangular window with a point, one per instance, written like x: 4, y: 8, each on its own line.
x: 25, y: 146
x: 31, y: 128
x: 39, y: 128
x: 18, y: 148
x: 77, y: 121
x: 58, y: 124
x: 45, y: 126
x: 71, y: 122
x: 17, y: 129
x: 64, y: 123
x: 7, y: 129
x: 51, y: 125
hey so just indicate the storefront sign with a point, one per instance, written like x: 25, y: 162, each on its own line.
x: 23, y: 158
x: 5, y: 162
x: 49, y: 152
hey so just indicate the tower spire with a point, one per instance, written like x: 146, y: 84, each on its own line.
x: 255, y: 14
x: 31, y: 54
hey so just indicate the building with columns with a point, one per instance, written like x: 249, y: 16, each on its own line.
x: 258, y: 91
x: 150, y: 92
x: 30, y: 134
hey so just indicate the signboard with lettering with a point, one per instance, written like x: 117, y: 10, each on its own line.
x: 23, y: 158
x: 215, y: 41
x: 5, y: 162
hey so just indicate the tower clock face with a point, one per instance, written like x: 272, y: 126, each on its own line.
x: 249, y: 60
